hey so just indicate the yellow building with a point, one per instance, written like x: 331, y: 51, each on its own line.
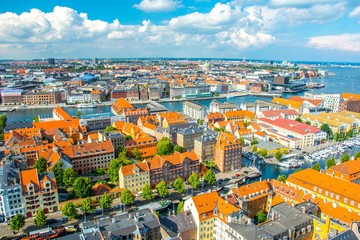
x: 134, y: 176
x: 317, y: 121
x: 323, y: 228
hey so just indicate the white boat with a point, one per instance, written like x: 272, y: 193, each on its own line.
x: 86, y: 105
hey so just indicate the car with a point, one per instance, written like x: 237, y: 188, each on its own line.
x: 64, y: 219
x: 139, y: 194
x: 169, y: 187
x: 97, y: 212
x: 118, y: 206
x: 51, y: 221
x: 237, y: 175
x: 233, y: 177
x: 227, y: 179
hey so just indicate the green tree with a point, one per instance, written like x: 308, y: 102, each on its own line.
x: 194, y: 180
x: 41, y: 165
x: 345, y: 158
x: 179, y: 185
x: 242, y: 141
x: 179, y: 149
x: 253, y: 142
x: 115, y: 165
x: 59, y: 173
x: 78, y: 114
x: 316, y: 167
x: 162, y: 189
x: 357, y: 155
x: 282, y: 178
x: 325, y: 128
x: 147, y: 192
x: 261, y: 216
x: 298, y: 119
x: 298, y: 170
x: 3, y: 121
x: 308, y: 122
x: 36, y: 118
x: 100, y: 172
x: 254, y: 148
x: 127, y: 197
x: 200, y: 121
x: 165, y: 147
x: 69, y: 210
x: 105, y: 201
x: 69, y: 177
x: 263, y: 153
x: 180, y: 207
x: 82, y: 187
x: 17, y: 222
x: 87, y: 206
x: 137, y: 154
x: 210, y: 177
x: 109, y: 129
x: 330, y: 162
x: 40, y: 219
x: 278, y: 155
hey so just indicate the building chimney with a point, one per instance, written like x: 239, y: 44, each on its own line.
x: 304, y: 210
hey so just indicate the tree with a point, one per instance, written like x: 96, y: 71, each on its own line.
x: 282, y: 178
x: 242, y: 141
x: 162, y: 189
x: 147, y: 192
x: 210, y: 177
x: 109, y: 129
x: 325, y: 128
x: 254, y: 148
x: 263, y: 153
x: 127, y: 197
x: 17, y: 222
x: 345, y: 158
x: 105, y: 201
x: 69, y: 210
x: 298, y: 170
x: 194, y: 180
x: 137, y: 154
x: 82, y: 187
x: 179, y: 185
x: 180, y: 207
x: 179, y: 149
x: 3, y: 121
x: 278, y: 155
x: 200, y: 121
x: 59, y: 173
x: 357, y: 155
x: 165, y: 147
x: 87, y: 206
x: 69, y: 177
x: 261, y: 216
x: 40, y: 219
x: 330, y: 162
x: 41, y: 165
x: 298, y: 119
x: 115, y: 165
x: 78, y: 114
x: 316, y: 167
x: 36, y: 118
x: 253, y: 142
x: 308, y: 122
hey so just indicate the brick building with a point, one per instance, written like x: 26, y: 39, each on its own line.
x: 228, y: 152
x: 43, y: 98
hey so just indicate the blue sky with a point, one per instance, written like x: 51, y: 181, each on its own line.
x: 314, y: 30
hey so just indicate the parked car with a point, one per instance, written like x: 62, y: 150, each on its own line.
x: 52, y: 221
x: 237, y: 175
x: 64, y: 219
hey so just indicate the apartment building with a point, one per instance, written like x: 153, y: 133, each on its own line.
x: 185, y: 137
x: 10, y: 191
x: 274, y: 114
x: 39, y: 191
x: 215, y: 117
x: 228, y: 152
x: 132, y: 115
x: 11, y: 96
x: 330, y: 101
x: 178, y: 226
x: 42, y: 98
x: 134, y: 176
x: 120, y: 106
x: 217, y: 107
x: 291, y: 104
x: 260, y: 106
x: 240, y: 115
x: 204, y: 147
x: 88, y: 157
x: 211, y: 213
x: 194, y: 110
x: 291, y: 133
x: 349, y: 171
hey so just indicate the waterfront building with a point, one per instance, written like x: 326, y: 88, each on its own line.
x: 252, y: 197
x: 11, y: 202
x: 257, y: 87
x: 228, y: 152
x: 89, y: 157
x: 132, y: 115
x: 291, y: 133
x: 42, y: 98
x: 352, y: 105
x: 185, y: 137
x: 120, y: 106
x: 330, y: 101
x: 170, y: 167
x: 349, y: 171
x: 217, y: 107
x: 11, y: 96
x: 155, y: 92
x: 39, y: 191
x: 155, y: 107
x: 194, y: 110
x: 60, y: 114
x: 291, y: 104
x: 78, y: 97
x: 204, y: 147
x: 211, y: 214
x: 180, y: 226
x: 134, y: 177
x: 97, y: 95
x: 214, y: 117
x: 260, y: 105
x: 240, y: 115
x: 99, y: 122
x: 274, y: 114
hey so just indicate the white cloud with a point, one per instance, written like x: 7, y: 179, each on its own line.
x: 242, y: 39
x: 343, y: 42
x: 158, y: 5
x: 355, y: 12
x: 300, y: 3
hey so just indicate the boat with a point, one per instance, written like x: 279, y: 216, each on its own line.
x: 284, y: 164
x: 162, y: 205
x: 253, y: 175
x: 46, y: 233
x: 86, y: 105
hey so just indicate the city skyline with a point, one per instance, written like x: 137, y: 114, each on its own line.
x: 307, y: 30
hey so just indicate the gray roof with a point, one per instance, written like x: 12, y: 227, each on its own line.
x: 250, y: 231
x: 191, y: 131
x: 274, y: 228
x: 346, y: 235
x: 289, y: 216
x: 178, y: 224
x: 224, y: 104
x: 206, y: 138
x: 271, y: 104
x: 9, y: 176
x: 15, y: 125
x: 194, y: 105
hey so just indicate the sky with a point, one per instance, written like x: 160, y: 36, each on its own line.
x: 304, y: 30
